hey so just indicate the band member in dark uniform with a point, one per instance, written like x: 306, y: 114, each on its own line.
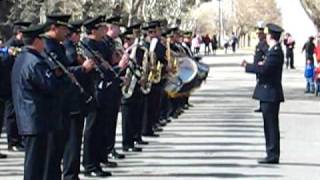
x: 35, y: 87
x: 112, y: 95
x: 92, y: 133
x: 14, y: 140
x: 79, y: 102
x: 269, y: 91
x: 132, y: 105
x: 58, y: 30
x: 260, y: 52
x: 154, y: 97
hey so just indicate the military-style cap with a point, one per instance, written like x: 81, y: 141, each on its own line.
x: 274, y: 29
x: 172, y: 31
x: 151, y: 26
x: 187, y: 33
x: 22, y: 23
x: 165, y: 32
x: 76, y: 26
x: 260, y: 26
x: 128, y: 33
x: 135, y: 26
x: 93, y: 23
x: 59, y: 19
x: 115, y: 20
x: 34, y: 31
x: 155, y: 23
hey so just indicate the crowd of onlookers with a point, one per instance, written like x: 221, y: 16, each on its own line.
x: 211, y: 44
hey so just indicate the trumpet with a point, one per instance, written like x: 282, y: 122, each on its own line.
x: 14, y: 51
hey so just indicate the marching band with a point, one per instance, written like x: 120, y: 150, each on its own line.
x: 69, y: 80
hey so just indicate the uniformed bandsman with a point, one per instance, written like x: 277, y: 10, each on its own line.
x: 79, y: 102
x: 111, y: 96
x: 14, y: 140
x: 35, y: 88
x: 132, y: 107
x: 94, y: 126
x: 57, y: 32
x: 153, y: 104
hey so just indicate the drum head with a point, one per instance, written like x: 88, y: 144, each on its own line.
x: 187, y: 70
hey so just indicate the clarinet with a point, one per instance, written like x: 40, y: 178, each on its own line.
x: 97, y: 68
x: 99, y: 57
x: 52, y: 57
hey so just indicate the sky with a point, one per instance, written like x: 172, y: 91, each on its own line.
x: 295, y: 20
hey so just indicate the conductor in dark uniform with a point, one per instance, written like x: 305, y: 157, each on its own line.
x: 35, y: 84
x: 269, y: 91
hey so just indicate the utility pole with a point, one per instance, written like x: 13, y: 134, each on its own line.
x: 220, y: 23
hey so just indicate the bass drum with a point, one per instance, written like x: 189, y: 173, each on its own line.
x: 187, y: 71
x: 202, y: 74
x: 203, y: 70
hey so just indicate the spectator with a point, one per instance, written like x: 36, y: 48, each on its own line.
x: 234, y: 42
x: 309, y: 47
x: 309, y: 75
x: 226, y: 46
x: 317, y: 79
x: 214, y: 44
x: 196, y: 42
x: 206, y: 41
x: 317, y: 50
x: 289, y: 42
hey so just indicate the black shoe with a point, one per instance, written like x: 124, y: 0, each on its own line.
x: 157, y: 129
x: 109, y: 164
x: 3, y: 156
x: 151, y: 135
x: 115, y: 155
x: 132, y: 149
x: 16, y: 148
x: 190, y: 105
x: 162, y: 123
x: 168, y: 120
x: 268, y: 161
x: 141, y: 142
x: 186, y: 107
x: 258, y: 110
x: 97, y: 173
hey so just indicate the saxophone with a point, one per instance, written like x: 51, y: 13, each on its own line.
x: 156, y: 66
x: 147, y: 83
x: 132, y: 73
x: 172, y: 59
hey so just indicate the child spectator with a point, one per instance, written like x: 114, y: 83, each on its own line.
x: 309, y: 75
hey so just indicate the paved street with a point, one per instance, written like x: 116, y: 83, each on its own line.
x: 221, y: 137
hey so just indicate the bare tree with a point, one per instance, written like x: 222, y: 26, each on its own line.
x: 312, y: 8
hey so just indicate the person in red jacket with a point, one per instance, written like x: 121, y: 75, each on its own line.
x: 317, y: 79
x: 317, y: 49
